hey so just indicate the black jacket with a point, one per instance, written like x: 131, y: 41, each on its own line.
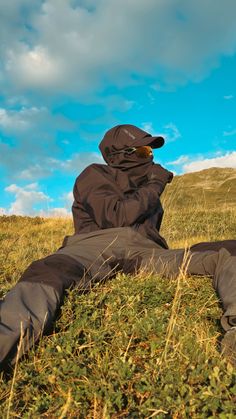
x: 125, y: 192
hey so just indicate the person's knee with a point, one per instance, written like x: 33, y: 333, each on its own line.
x: 58, y: 271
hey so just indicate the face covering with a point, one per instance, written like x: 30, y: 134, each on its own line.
x: 129, y: 164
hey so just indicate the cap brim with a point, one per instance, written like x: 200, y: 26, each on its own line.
x: 157, y: 142
x: 154, y: 142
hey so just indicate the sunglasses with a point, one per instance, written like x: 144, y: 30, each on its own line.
x: 142, y: 151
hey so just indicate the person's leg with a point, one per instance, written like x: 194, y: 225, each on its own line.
x: 221, y: 266
x: 30, y: 307
x: 223, y: 269
x: 123, y: 248
x: 229, y: 245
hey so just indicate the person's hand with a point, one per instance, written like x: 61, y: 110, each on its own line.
x: 159, y: 174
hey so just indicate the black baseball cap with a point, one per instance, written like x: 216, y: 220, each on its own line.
x: 133, y: 136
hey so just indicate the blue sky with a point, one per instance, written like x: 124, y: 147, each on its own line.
x: 71, y: 69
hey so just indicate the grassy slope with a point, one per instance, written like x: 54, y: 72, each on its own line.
x: 135, y: 347
x: 209, y: 187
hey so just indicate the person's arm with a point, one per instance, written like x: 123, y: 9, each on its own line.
x: 109, y: 209
x: 159, y: 174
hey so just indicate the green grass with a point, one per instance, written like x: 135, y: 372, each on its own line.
x: 134, y: 347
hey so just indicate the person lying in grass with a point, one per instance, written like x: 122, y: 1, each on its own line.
x: 117, y: 215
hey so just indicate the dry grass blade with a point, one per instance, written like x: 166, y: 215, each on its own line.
x: 14, y: 373
x: 181, y: 278
x: 66, y: 406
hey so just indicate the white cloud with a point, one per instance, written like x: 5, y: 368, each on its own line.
x: 151, y: 98
x: 171, y: 132
x: 226, y: 160
x: 49, y: 165
x: 34, y: 68
x: 68, y: 199
x: 180, y: 161
x: 35, y: 172
x: 26, y: 199
x: 228, y: 97
x: 66, y: 142
x: 116, y: 102
x: 34, y: 130
x: 78, y: 162
x: 229, y: 133
x: 59, y: 212
x: 77, y: 46
x: 26, y: 119
x: 20, y: 120
x: 148, y: 127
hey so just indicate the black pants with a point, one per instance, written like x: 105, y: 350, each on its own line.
x: 30, y: 308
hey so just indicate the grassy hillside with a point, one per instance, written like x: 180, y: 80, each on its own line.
x: 135, y: 347
x: 201, y: 206
x: 209, y: 188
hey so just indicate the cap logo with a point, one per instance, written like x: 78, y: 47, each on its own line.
x: 129, y: 134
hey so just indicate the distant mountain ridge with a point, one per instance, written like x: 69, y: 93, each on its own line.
x: 209, y: 187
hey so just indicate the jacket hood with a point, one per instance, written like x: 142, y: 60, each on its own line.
x: 122, y: 137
